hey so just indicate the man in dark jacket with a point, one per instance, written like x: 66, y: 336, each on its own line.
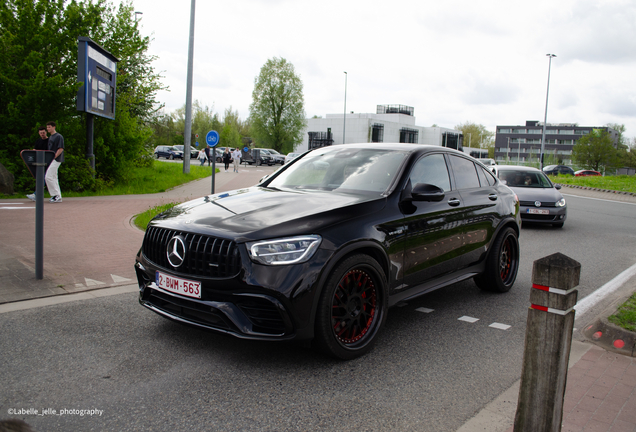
x: 41, y: 144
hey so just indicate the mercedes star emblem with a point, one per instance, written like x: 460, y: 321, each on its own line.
x: 176, y: 251
x: 537, y: 203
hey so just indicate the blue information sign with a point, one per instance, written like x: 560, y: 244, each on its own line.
x: 212, y: 138
x: 97, y: 71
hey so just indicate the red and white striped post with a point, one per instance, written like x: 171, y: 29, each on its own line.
x: 548, y: 342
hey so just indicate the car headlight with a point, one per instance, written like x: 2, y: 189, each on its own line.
x: 561, y: 202
x: 285, y: 251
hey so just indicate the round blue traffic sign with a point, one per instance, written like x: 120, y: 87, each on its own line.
x: 212, y: 138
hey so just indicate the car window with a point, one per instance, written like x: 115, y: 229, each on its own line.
x: 465, y: 173
x: 528, y: 179
x: 485, y: 177
x: 352, y: 170
x: 431, y: 170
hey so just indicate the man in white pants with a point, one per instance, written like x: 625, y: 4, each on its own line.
x: 56, y: 144
x: 236, y: 158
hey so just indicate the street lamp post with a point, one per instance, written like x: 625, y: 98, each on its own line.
x: 188, y: 114
x: 545, y: 119
x: 344, y: 124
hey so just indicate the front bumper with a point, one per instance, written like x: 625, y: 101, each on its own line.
x: 262, y: 303
x: 555, y: 214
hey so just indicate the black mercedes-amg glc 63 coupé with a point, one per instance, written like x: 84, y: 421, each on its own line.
x: 322, y: 248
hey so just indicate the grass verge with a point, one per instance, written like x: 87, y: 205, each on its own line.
x: 625, y: 316
x: 622, y: 183
x: 160, y: 177
x: 142, y: 219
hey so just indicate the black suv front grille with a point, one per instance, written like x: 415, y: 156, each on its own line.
x: 205, y: 256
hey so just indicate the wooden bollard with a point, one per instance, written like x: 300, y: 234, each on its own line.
x: 548, y: 342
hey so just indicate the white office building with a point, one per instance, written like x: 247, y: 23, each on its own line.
x: 391, y: 123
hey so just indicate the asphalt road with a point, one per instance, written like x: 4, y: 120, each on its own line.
x: 430, y: 371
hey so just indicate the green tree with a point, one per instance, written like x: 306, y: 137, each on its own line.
x: 277, y: 114
x: 628, y: 154
x: 595, y: 151
x: 38, y: 83
x: 169, y: 128
x: 476, y: 135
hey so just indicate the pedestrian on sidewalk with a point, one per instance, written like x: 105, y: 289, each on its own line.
x: 41, y: 144
x: 207, y: 154
x: 236, y: 159
x: 227, y: 158
x: 202, y: 157
x: 56, y: 144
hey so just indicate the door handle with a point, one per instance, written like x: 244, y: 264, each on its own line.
x: 453, y: 202
x: 492, y: 197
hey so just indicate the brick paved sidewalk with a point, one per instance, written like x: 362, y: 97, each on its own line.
x: 601, y: 393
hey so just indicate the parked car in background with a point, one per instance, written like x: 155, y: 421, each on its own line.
x: 194, y: 153
x: 265, y: 157
x: 219, y: 153
x: 585, y: 173
x: 168, y: 152
x: 487, y: 161
x: 539, y: 198
x: 558, y: 169
x: 291, y: 156
x: 321, y: 250
x: 276, y: 156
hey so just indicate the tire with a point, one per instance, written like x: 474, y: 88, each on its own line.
x: 352, y: 308
x: 156, y: 155
x: 502, y: 263
x: 171, y: 157
x: 558, y: 225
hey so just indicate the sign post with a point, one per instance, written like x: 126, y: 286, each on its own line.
x: 38, y: 161
x: 212, y: 140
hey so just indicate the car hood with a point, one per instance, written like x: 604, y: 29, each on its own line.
x: 258, y: 213
x: 537, y: 194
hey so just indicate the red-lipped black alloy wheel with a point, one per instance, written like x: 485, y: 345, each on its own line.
x: 506, y: 259
x: 354, y: 307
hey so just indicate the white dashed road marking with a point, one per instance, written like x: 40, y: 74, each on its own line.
x: 468, y: 319
x: 499, y: 326
x: 424, y: 310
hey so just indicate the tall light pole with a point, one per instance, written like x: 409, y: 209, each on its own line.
x: 545, y: 119
x: 188, y: 114
x: 136, y: 14
x: 344, y: 124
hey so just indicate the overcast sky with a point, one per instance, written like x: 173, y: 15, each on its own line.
x: 453, y: 61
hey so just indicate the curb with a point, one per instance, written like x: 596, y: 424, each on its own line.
x: 597, y: 189
x: 611, y: 338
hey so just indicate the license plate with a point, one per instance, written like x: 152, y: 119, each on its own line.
x: 177, y: 285
x: 538, y: 211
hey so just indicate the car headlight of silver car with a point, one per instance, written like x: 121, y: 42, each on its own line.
x: 561, y: 202
x: 293, y: 250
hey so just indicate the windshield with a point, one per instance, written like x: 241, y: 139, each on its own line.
x: 343, y: 170
x: 529, y: 179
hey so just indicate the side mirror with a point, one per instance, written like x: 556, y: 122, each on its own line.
x: 557, y: 187
x: 427, y: 192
